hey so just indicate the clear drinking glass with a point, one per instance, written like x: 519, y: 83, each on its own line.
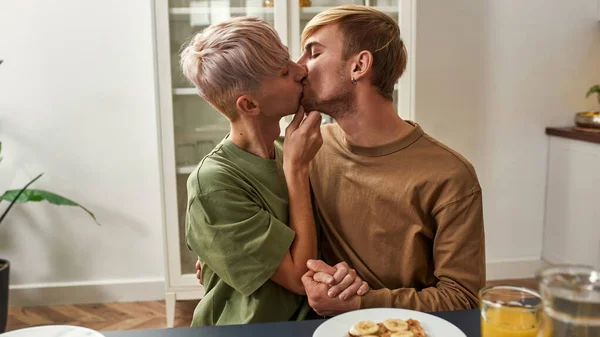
x: 571, y: 296
x: 185, y: 154
x: 508, y: 311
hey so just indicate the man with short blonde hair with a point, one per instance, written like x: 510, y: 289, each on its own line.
x: 249, y: 214
x: 231, y: 57
x: 399, y: 207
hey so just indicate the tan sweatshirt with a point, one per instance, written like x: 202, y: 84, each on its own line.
x: 407, y: 216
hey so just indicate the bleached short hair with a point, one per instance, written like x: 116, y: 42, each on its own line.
x: 231, y: 58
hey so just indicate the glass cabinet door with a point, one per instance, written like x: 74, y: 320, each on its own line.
x: 198, y: 127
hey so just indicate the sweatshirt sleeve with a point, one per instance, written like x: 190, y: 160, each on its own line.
x: 459, y: 263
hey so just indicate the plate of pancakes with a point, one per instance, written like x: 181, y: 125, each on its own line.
x: 387, y: 322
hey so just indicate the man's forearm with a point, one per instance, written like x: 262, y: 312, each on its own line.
x: 446, y: 296
x: 301, y: 218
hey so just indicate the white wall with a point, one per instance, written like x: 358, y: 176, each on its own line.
x: 491, y: 75
x: 78, y: 102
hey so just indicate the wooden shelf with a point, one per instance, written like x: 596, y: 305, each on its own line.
x: 569, y: 132
x: 185, y: 91
x: 212, y: 133
x: 305, y: 12
x: 208, y: 10
x: 186, y: 169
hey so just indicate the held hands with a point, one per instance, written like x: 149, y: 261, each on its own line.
x: 330, y: 290
x: 302, y: 140
x: 333, y: 290
x: 342, y: 280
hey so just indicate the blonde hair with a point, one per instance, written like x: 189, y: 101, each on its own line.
x: 231, y: 58
x: 365, y: 28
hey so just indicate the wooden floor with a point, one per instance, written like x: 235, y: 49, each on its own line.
x: 129, y: 316
x: 102, y: 317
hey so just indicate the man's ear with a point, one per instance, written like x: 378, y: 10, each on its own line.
x: 361, y: 65
x: 247, y: 105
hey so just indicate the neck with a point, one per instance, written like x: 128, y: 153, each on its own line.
x: 255, y: 135
x: 374, y: 121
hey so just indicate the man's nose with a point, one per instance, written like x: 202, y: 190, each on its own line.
x: 301, y: 73
x: 302, y: 61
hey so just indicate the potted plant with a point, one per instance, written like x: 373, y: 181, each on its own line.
x: 589, y: 119
x: 20, y: 196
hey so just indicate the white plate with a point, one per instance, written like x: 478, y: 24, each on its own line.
x: 338, y: 326
x: 53, y: 331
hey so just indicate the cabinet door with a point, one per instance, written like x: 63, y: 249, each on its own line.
x: 572, y: 221
x: 190, y: 126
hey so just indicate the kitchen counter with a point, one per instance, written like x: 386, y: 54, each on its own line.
x: 572, y: 220
x: 574, y: 133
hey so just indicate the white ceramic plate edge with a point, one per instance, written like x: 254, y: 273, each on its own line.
x: 53, y: 330
x: 434, y: 326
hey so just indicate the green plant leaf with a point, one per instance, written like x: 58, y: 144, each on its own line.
x: 594, y: 89
x: 12, y: 202
x: 30, y: 195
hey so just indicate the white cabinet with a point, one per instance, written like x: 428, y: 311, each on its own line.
x: 190, y: 127
x: 572, y: 226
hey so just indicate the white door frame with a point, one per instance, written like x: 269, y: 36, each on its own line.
x: 406, y: 86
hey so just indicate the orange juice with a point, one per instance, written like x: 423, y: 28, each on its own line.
x: 509, y: 322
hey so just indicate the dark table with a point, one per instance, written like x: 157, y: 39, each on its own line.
x: 467, y: 321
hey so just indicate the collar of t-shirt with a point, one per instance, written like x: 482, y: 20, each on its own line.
x: 385, y: 149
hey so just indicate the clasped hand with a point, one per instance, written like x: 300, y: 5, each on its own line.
x: 333, y: 290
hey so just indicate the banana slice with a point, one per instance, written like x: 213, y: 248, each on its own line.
x: 403, y: 334
x: 415, y: 327
x: 394, y: 325
x: 364, y: 328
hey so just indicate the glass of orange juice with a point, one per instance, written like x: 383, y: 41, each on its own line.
x: 508, y: 311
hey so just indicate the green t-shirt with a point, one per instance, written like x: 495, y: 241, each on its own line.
x: 236, y: 223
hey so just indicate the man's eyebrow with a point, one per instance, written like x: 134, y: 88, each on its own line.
x: 311, y: 44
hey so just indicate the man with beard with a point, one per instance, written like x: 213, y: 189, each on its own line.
x: 400, y: 208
